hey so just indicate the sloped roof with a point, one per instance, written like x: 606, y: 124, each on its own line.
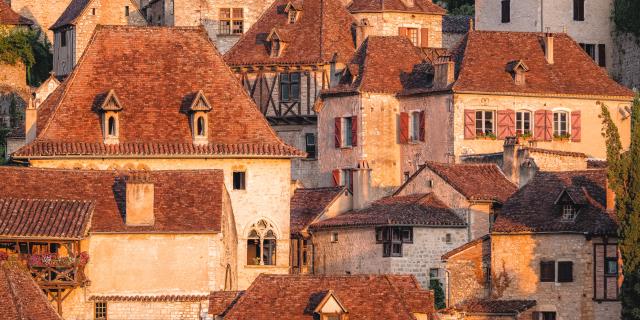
x: 322, y: 30
x: 71, y: 13
x: 220, y: 302
x: 155, y: 85
x: 10, y: 17
x: 180, y: 204
x: 533, y: 208
x: 308, y: 203
x: 420, y: 6
x: 295, y: 297
x: 385, y: 64
x: 456, y: 24
x: 20, y: 296
x: 484, y: 55
x: 492, y: 306
x: 412, y: 210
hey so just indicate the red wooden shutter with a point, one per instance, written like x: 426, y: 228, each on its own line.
x: 338, y: 132
x: 422, y: 126
x: 506, y: 123
x: 354, y: 131
x: 576, y: 131
x: 424, y: 37
x: 469, y: 124
x: 548, y: 125
x: 539, y: 129
x: 336, y: 177
x: 404, y: 127
x: 403, y: 32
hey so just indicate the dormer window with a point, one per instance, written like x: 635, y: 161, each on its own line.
x: 293, y: 11
x: 569, y: 212
x: 199, y: 110
x: 330, y: 308
x: 568, y: 203
x: 276, y: 43
x: 518, y: 70
x: 110, y: 110
x: 275, y: 48
x: 293, y: 16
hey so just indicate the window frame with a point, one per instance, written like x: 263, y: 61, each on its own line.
x: 389, y: 239
x: 261, y: 232
x: 569, y: 212
x: 100, y: 306
x: 241, y: 184
x: 550, y: 275
x: 347, y: 132
x: 63, y: 38
x: 481, y: 130
x: 560, y: 278
x: 557, y: 123
x: 291, y: 81
x: 578, y: 10
x: 414, y: 126
x: 606, y: 266
x: 521, y: 121
x: 229, y: 22
x: 311, y: 148
x: 413, y: 34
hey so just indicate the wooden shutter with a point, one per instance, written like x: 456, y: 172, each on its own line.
x: 336, y: 177
x: 565, y: 271
x: 506, y: 123
x: 602, y: 55
x: 548, y: 125
x: 424, y: 37
x: 547, y: 271
x: 403, y: 32
x: 469, y: 124
x: 538, y: 121
x: 404, y: 127
x: 338, y: 132
x: 354, y: 131
x: 422, y: 126
x: 576, y: 129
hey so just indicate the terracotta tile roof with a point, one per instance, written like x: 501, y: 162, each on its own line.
x: 323, y: 30
x: 474, y: 181
x: 144, y: 298
x: 414, y: 210
x: 487, y: 306
x: 533, y: 208
x: 70, y: 14
x: 420, y: 6
x: 154, y: 119
x: 31, y: 218
x: 557, y: 152
x: 10, y: 17
x: 295, y: 297
x: 456, y: 24
x: 487, y: 53
x: 596, y: 164
x: 17, y: 132
x: 308, y: 203
x: 180, y: 204
x: 385, y: 64
x: 220, y: 302
x: 20, y: 296
x: 465, y: 246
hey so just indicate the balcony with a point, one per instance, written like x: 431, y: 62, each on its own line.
x: 53, y: 272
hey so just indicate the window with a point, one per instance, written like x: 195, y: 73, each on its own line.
x: 293, y: 16
x: 200, y: 127
x: 334, y: 237
x: 547, y: 271
x: 406, y: 175
x: 484, y: 123
x: 112, y: 128
x: 290, y: 87
x: 63, y: 38
x: 434, y: 273
x: 590, y: 49
x: 578, y: 10
x: 100, y: 310
x: 126, y: 11
x: 412, y: 33
x: 346, y: 178
x: 415, y: 126
x: 392, y: 239
x: 347, y: 134
x: 506, y: 11
x: 447, y: 238
x: 523, y: 123
x: 611, y: 266
x: 561, y: 124
x: 239, y: 181
x: 602, y: 55
x: 275, y: 48
x: 93, y: 11
x: 310, y: 145
x: 565, y: 271
x: 231, y: 21
x: 569, y: 212
x: 261, y: 244
x: 547, y: 315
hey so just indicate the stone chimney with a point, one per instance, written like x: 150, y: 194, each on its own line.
x: 548, y: 47
x: 361, y: 185
x: 139, y: 200
x: 363, y: 29
x: 30, y: 121
x: 611, y: 197
x: 510, y: 161
x: 443, y: 72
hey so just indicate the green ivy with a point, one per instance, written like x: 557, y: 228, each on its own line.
x: 438, y: 293
x: 25, y: 45
x: 626, y: 16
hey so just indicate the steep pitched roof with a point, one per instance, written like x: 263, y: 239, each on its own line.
x: 155, y: 86
x: 533, y: 208
x: 220, y: 302
x: 70, y: 14
x: 420, y: 6
x: 295, y: 297
x: 456, y: 24
x: 180, y: 204
x: 413, y: 210
x: 485, y: 54
x: 385, y: 64
x: 322, y: 32
x: 10, y: 17
x: 307, y: 204
x: 20, y: 296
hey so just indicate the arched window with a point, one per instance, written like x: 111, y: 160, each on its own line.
x: 112, y: 129
x: 261, y: 244
x: 200, y: 127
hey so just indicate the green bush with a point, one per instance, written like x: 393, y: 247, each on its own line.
x: 438, y: 293
x: 26, y: 45
x: 626, y: 15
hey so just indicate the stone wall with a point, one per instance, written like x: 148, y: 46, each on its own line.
x: 156, y: 310
x: 304, y: 170
x: 44, y: 13
x: 388, y: 23
x: 468, y: 273
x: 13, y: 76
x: 451, y: 40
x: 626, y: 60
x: 557, y: 162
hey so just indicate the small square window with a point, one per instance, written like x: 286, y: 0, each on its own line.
x: 93, y: 11
x: 310, y: 145
x: 334, y: 237
x: 100, y: 310
x: 447, y: 238
x: 239, y: 181
x: 569, y: 213
x: 126, y: 11
x: 407, y: 234
x: 434, y: 273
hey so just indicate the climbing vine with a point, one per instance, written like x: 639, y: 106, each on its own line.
x: 626, y: 15
x: 26, y: 45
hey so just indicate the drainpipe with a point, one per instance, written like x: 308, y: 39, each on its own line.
x: 447, y: 275
x: 541, y: 15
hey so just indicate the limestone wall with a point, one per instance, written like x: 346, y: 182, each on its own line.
x: 304, y: 170
x: 13, y: 76
x: 388, y: 23
x: 468, y: 273
x: 626, y: 60
x: 556, y: 162
x: 44, y: 13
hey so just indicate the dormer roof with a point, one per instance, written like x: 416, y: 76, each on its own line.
x: 295, y: 5
x: 414, y: 6
x: 330, y: 300
x: 111, y: 102
x: 517, y: 65
x: 279, y: 34
x: 200, y: 103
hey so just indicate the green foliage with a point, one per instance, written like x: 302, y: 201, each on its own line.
x: 464, y: 10
x: 459, y: 7
x: 626, y: 16
x: 25, y: 45
x: 438, y: 293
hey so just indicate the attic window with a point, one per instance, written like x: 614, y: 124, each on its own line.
x: 199, y: 110
x: 331, y: 308
x: 569, y: 212
x: 275, y: 47
x: 293, y: 16
x: 112, y: 130
x: 518, y: 69
x: 110, y: 110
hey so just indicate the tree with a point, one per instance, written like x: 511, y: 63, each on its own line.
x: 26, y: 45
x: 458, y: 7
x: 438, y: 294
x: 624, y: 178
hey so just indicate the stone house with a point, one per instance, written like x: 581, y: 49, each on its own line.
x: 10, y: 19
x: 130, y: 230
x: 342, y: 297
x: 454, y: 28
x: 199, y: 119
x: 284, y: 66
x: 74, y: 28
x: 555, y: 243
x: 43, y: 13
x: 225, y: 20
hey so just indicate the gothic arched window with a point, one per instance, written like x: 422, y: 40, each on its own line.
x: 261, y: 244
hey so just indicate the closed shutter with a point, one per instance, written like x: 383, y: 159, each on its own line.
x: 602, y: 55
x: 424, y: 37
x: 506, y: 123
x: 547, y: 271
x: 403, y: 32
x: 422, y: 126
x: 469, y: 124
x: 354, y: 131
x: 535, y: 315
x: 538, y: 120
x: 506, y: 11
x: 338, y: 132
x: 336, y: 177
x: 565, y: 271
x: 548, y: 125
x: 576, y: 130
x: 404, y: 127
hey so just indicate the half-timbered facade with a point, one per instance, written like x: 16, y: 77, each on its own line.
x: 293, y: 52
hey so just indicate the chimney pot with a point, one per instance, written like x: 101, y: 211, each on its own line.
x: 361, y: 185
x: 139, y: 200
x: 30, y: 121
x: 362, y: 31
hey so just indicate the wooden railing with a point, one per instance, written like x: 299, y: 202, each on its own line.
x: 58, y: 276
